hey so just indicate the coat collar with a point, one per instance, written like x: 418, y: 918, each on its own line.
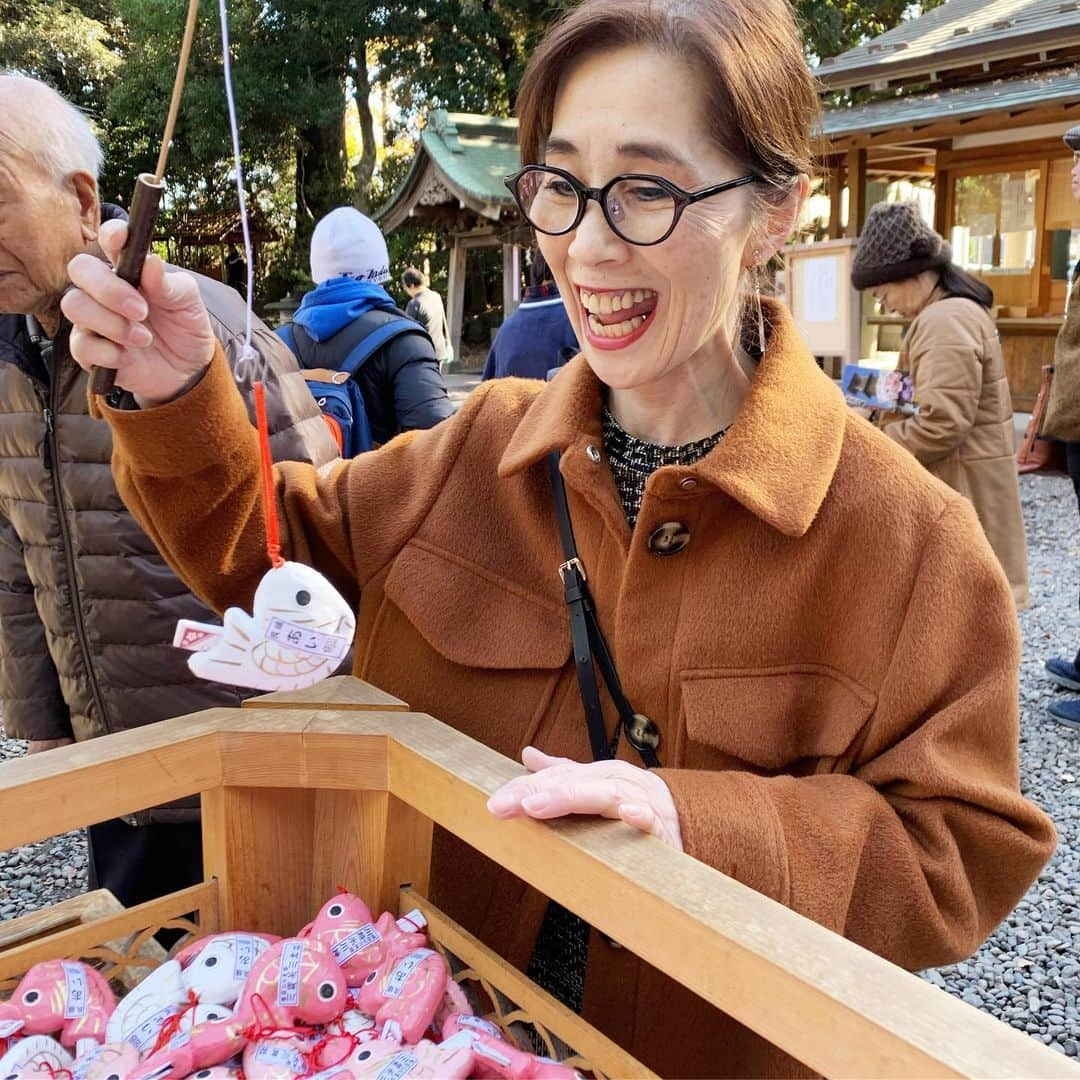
x: 777, y: 460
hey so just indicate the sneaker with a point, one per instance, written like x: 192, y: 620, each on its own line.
x: 1064, y: 672
x: 1067, y: 713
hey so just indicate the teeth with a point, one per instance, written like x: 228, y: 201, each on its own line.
x: 627, y: 299
x: 593, y: 304
x: 638, y: 296
x: 605, y: 304
x: 617, y: 330
x: 617, y: 304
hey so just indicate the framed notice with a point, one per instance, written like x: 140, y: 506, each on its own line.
x: 826, y: 307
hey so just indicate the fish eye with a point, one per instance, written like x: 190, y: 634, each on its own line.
x: 303, y: 598
x: 334, y: 910
x: 212, y: 1016
x: 363, y: 1055
x: 198, y: 1075
x: 31, y: 997
x: 210, y: 961
x: 327, y: 990
x: 113, y: 1076
x: 372, y: 977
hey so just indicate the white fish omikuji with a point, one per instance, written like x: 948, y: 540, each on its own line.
x: 299, y: 632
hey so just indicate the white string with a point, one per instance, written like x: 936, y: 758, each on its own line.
x: 248, y: 353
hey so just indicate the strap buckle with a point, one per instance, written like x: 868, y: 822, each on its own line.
x: 572, y: 564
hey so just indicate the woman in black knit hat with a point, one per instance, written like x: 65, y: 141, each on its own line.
x: 963, y: 431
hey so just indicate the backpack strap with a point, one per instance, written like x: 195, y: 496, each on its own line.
x: 375, y: 340
x: 368, y: 334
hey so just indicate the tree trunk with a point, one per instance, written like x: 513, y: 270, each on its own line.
x: 364, y: 169
x: 320, y: 175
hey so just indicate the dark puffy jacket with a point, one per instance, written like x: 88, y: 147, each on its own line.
x: 87, y: 605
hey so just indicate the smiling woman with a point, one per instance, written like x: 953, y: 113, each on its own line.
x: 694, y: 487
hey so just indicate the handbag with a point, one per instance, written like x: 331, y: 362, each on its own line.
x: 588, y: 639
x: 1037, y: 453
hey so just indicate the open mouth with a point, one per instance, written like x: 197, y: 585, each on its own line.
x: 615, y: 318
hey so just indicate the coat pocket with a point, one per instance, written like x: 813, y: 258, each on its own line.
x: 471, y: 648
x: 797, y: 719
x: 473, y: 617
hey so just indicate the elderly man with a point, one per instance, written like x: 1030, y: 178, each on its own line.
x: 87, y: 605
x: 1063, y: 422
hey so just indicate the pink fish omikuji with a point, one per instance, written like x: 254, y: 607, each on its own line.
x: 64, y: 996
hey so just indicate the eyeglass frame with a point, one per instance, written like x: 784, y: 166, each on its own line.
x: 682, y: 198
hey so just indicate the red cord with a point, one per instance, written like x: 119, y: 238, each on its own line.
x: 273, y: 537
x: 171, y: 1025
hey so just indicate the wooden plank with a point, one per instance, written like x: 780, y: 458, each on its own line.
x: 257, y: 844
x: 371, y: 844
x: 836, y: 191
x: 856, y: 185
x: 79, y: 939
x: 582, y: 1037
x: 830, y: 1003
x: 75, y: 911
x: 75, y: 786
x: 342, y: 692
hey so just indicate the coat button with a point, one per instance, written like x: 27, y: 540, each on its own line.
x: 642, y: 732
x: 592, y: 454
x: 669, y: 539
x: 688, y: 483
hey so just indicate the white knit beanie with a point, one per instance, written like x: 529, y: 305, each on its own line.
x: 346, y: 242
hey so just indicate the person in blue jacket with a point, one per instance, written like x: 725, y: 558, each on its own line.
x: 400, y: 382
x: 538, y: 336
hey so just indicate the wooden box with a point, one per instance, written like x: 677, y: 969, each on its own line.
x: 340, y: 784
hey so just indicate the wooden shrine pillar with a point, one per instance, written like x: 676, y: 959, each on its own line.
x: 836, y: 196
x: 856, y: 185
x: 511, y: 290
x: 455, y: 295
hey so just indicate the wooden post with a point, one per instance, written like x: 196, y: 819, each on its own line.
x: 856, y: 184
x: 836, y: 194
x: 455, y: 298
x: 370, y: 843
x: 511, y: 279
x: 257, y: 842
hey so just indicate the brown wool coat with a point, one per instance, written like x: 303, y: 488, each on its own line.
x: 831, y: 661
x: 963, y: 432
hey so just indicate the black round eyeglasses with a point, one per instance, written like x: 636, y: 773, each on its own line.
x: 641, y: 209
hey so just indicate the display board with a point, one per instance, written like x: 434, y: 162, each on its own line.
x: 826, y: 307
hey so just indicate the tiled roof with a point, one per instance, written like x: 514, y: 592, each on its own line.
x: 474, y: 152
x: 1049, y: 88
x: 957, y: 32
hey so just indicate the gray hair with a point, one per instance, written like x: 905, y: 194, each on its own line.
x: 46, y: 128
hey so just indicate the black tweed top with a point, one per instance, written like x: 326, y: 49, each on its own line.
x: 634, y: 460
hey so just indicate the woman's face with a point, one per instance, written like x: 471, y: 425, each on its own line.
x: 909, y: 296
x: 643, y: 314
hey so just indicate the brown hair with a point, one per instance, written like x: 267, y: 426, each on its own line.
x: 760, y: 95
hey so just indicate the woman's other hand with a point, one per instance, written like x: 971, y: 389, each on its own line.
x: 156, y: 337
x: 611, y: 789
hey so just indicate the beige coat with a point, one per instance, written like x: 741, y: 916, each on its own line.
x: 842, y: 740
x: 963, y: 432
x: 1063, y: 408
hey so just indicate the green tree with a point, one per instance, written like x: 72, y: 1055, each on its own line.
x: 71, y: 44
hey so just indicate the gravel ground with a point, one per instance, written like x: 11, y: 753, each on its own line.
x: 1028, y: 973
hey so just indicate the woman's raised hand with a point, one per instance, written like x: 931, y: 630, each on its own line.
x: 157, y: 337
x: 612, y: 789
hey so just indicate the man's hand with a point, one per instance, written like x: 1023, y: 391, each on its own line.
x: 611, y: 789
x: 156, y: 337
x: 38, y: 746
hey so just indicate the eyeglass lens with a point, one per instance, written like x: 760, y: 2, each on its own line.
x: 638, y: 210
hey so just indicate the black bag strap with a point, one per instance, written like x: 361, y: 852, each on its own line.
x: 588, y: 639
